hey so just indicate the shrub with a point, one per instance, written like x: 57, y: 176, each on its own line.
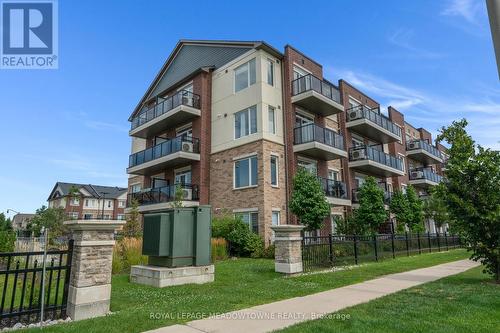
x: 127, y: 252
x: 7, y: 240
x: 222, y: 226
x: 243, y: 242
x: 268, y: 252
x: 219, y: 249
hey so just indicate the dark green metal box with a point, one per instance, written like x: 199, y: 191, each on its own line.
x: 178, y: 237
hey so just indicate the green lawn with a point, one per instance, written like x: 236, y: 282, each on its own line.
x: 238, y: 284
x: 467, y: 302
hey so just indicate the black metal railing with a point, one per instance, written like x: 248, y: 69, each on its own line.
x: 341, y: 250
x: 387, y: 195
x: 311, y: 82
x: 183, y: 97
x: 21, y: 285
x: 180, y: 143
x: 374, y: 116
x: 333, y: 188
x: 190, y: 192
x: 314, y: 133
x: 424, y: 173
x: 369, y: 153
x: 421, y: 144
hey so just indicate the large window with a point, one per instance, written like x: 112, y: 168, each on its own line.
x: 244, y: 75
x: 274, y: 170
x: 245, y: 172
x: 250, y: 218
x: 245, y: 122
x: 272, y: 120
x: 270, y: 72
x: 135, y: 188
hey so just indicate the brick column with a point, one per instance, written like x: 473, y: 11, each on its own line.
x: 90, y: 282
x: 288, y: 248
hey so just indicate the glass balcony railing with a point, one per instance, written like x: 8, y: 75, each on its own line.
x: 425, y: 173
x: 311, y: 82
x: 181, y: 143
x: 190, y: 192
x: 374, y: 116
x: 315, y: 133
x: 369, y: 153
x: 421, y: 144
x: 183, y: 97
x: 333, y: 188
x: 387, y: 193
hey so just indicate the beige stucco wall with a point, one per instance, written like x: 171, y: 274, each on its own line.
x: 225, y: 102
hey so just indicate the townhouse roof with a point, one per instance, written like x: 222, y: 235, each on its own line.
x: 62, y: 189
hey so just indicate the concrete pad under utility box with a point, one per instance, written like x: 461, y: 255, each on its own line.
x: 166, y: 276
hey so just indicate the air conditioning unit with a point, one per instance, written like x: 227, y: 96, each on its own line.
x: 413, y: 145
x: 417, y: 174
x: 358, y: 155
x: 187, y: 194
x: 355, y: 114
x: 187, y: 146
x: 187, y: 100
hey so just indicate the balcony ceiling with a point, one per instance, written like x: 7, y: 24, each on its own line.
x: 422, y: 183
x: 423, y: 156
x: 372, y: 130
x: 374, y: 168
x: 315, y: 102
x: 163, y: 163
x: 319, y: 151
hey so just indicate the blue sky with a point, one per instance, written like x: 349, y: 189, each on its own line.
x: 433, y: 60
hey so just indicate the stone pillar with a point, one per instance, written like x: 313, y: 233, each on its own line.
x: 90, y: 281
x: 288, y: 248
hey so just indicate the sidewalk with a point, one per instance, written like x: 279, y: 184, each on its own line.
x: 278, y: 315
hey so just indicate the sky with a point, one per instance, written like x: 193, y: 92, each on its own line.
x: 432, y: 60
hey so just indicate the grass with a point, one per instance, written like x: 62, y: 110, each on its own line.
x: 238, y: 284
x: 467, y: 302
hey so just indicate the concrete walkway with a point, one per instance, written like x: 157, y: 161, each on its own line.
x: 278, y: 315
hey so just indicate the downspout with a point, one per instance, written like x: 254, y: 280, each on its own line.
x: 285, y: 96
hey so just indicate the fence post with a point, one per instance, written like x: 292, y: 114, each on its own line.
x: 375, y: 247
x: 288, y: 248
x: 439, y: 243
x: 429, y: 240
x: 355, y: 250
x: 330, y: 249
x: 418, y: 239
x: 446, y: 241
x: 89, y: 291
x: 407, y: 245
x: 392, y: 245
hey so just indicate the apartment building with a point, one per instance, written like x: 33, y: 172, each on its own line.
x: 89, y: 201
x: 231, y: 122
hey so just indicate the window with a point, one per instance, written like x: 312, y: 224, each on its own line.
x: 245, y: 172
x: 244, y: 76
x: 274, y: 170
x: 186, y: 133
x: 75, y: 202
x: 110, y: 203
x: 298, y: 72
x: 73, y: 215
x: 135, y: 188
x: 333, y: 221
x: 272, y: 122
x: 86, y: 202
x: 250, y: 218
x: 309, y: 166
x: 403, y: 188
x: 275, y: 220
x: 333, y: 175
x: 245, y: 122
x: 87, y: 216
x: 120, y: 217
x: 121, y: 204
x: 270, y: 72
x: 106, y: 217
x: 183, y: 177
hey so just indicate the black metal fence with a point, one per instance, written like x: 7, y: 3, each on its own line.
x: 342, y: 250
x: 21, y: 277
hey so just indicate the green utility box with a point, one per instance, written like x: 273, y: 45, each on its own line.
x: 178, y: 237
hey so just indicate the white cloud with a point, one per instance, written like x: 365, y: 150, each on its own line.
x: 403, y: 38
x: 426, y: 109
x: 466, y: 9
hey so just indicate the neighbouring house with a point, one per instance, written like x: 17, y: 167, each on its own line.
x: 230, y: 122
x: 20, y: 221
x: 89, y: 201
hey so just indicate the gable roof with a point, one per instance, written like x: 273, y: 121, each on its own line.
x: 62, y: 189
x: 191, y: 56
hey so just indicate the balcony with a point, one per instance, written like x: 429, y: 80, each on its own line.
x: 159, y: 198
x: 318, y: 142
x: 422, y: 151
x: 424, y: 177
x: 173, y: 111
x: 375, y: 162
x: 166, y: 154
x: 316, y: 95
x: 335, y: 191
x: 372, y: 124
x: 382, y: 185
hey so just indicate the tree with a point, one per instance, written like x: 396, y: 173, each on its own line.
x: 371, y: 213
x: 416, y: 217
x: 347, y: 225
x: 400, y: 207
x: 178, y: 196
x: 132, y: 227
x: 308, y: 200
x: 471, y: 192
x: 51, y: 218
x: 435, y: 208
x: 73, y: 193
x: 7, y: 234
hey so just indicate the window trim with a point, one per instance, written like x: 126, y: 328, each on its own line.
x: 270, y: 64
x: 249, y: 212
x: 254, y: 155
x: 249, y: 124
x: 275, y: 156
x: 247, y: 64
x: 273, y: 109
